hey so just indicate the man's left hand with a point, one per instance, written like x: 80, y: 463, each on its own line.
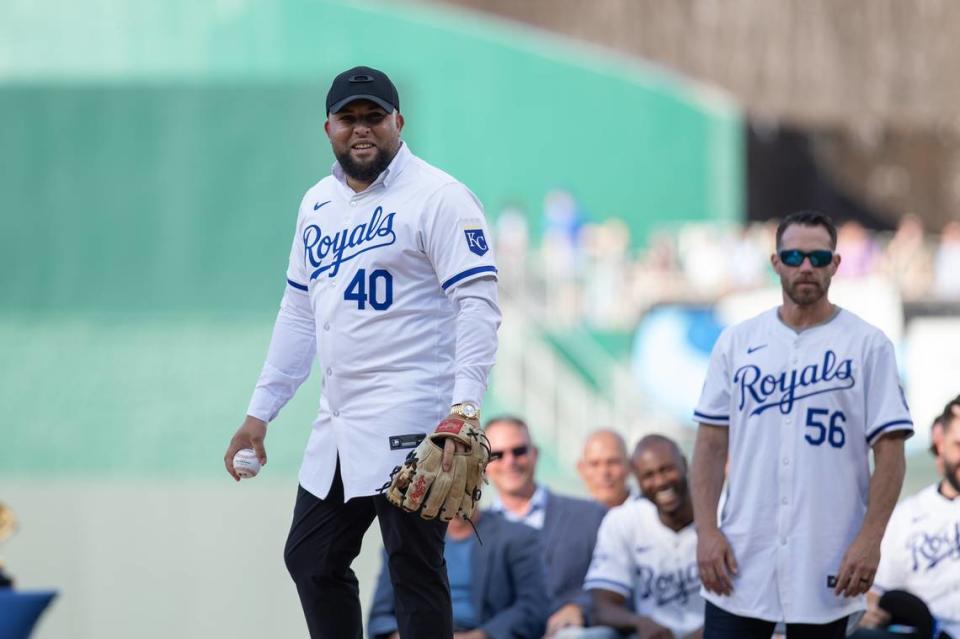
x: 568, y: 616
x: 859, y: 567
x: 476, y: 633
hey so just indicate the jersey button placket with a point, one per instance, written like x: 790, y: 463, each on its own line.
x: 785, y: 474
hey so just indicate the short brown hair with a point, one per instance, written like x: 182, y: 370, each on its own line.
x: 951, y: 413
x: 808, y: 218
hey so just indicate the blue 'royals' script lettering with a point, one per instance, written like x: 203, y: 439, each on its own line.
x: 346, y: 244
x: 929, y: 549
x: 789, y: 386
x: 667, y: 587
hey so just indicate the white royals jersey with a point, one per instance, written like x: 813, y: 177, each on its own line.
x: 653, y: 566
x: 370, y: 281
x: 921, y: 554
x: 803, y: 410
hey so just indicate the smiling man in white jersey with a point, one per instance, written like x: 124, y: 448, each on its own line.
x: 921, y: 549
x: 796, y: 398
x: 391, y: 285
x: 643, y: 576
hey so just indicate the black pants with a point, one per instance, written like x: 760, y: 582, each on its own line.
x: 324, y: 540
x: 720, y: 624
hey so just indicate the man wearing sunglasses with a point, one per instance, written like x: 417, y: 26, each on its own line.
x: 568, y: 526
x: 798, y: 396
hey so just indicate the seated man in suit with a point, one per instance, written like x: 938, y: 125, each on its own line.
x: 497, y: 588
x: 568, y: 526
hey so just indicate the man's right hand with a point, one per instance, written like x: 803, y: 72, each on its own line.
x: 650, y: 629
x: 716, y: 561
x: 875, y: 616
x: 250, y: 435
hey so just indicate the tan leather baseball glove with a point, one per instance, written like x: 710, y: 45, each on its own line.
x: 421, y: 484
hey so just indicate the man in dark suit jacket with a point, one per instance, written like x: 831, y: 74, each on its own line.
x: 498, y: 593
x: 568, y: 527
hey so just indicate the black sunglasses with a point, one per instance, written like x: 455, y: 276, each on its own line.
x: 517, y: 451
x: 795, y: 257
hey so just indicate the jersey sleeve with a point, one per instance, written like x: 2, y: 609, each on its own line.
x: 478, y: 318
x: 714, y: 405
x: 886, y: 407
x: 612, y: 567
x: 289, y: 358
x: 298, y: 278
x: 456, y: 238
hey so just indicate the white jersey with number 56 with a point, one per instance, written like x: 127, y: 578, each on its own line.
x: 803, y: 410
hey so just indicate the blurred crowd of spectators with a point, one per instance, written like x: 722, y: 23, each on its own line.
x: 590, y: 271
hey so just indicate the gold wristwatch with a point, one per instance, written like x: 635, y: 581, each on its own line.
x: 467, y: 410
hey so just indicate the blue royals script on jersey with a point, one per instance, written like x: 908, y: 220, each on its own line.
x: 347, y: 243
x: 666, y: 587
x: 929, y: 549
x: 831, y: 375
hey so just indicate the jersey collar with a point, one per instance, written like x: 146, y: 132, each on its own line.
x: 795, y: 332
x: 389, y: 175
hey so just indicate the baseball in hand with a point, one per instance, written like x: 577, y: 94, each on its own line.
x: 246, y: 464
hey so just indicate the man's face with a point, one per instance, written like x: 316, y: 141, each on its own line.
x: 662, y: 477
x: 603, y: 468
x: 364, y: 138
x: 511, y: 474
x: 950, y: 451
x: 805, y: 284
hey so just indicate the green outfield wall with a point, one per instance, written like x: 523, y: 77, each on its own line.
x: 154, y: 154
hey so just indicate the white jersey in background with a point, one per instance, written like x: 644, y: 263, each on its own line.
x: 377, y: 281
x: 921, y: 554
x: 803, y: 410
x: 651, y: 565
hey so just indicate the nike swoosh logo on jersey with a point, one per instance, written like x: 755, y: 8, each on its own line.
x: 319, y: 204
x: 753, y: 349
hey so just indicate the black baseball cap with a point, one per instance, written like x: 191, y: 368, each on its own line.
x: 362, y: 83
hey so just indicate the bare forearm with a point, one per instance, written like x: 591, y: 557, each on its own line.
x: 614, y: 616
x: 885, y: 483
x: 709, y: 459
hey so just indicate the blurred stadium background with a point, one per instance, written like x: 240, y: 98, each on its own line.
x: 630, y: 154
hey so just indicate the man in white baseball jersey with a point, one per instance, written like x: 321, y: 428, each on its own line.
x: 798, y: 396
x: 391, y: 286
x: 643, y: 578
x: 921, y: 548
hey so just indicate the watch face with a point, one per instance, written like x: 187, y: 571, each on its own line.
x: 469, y: 410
